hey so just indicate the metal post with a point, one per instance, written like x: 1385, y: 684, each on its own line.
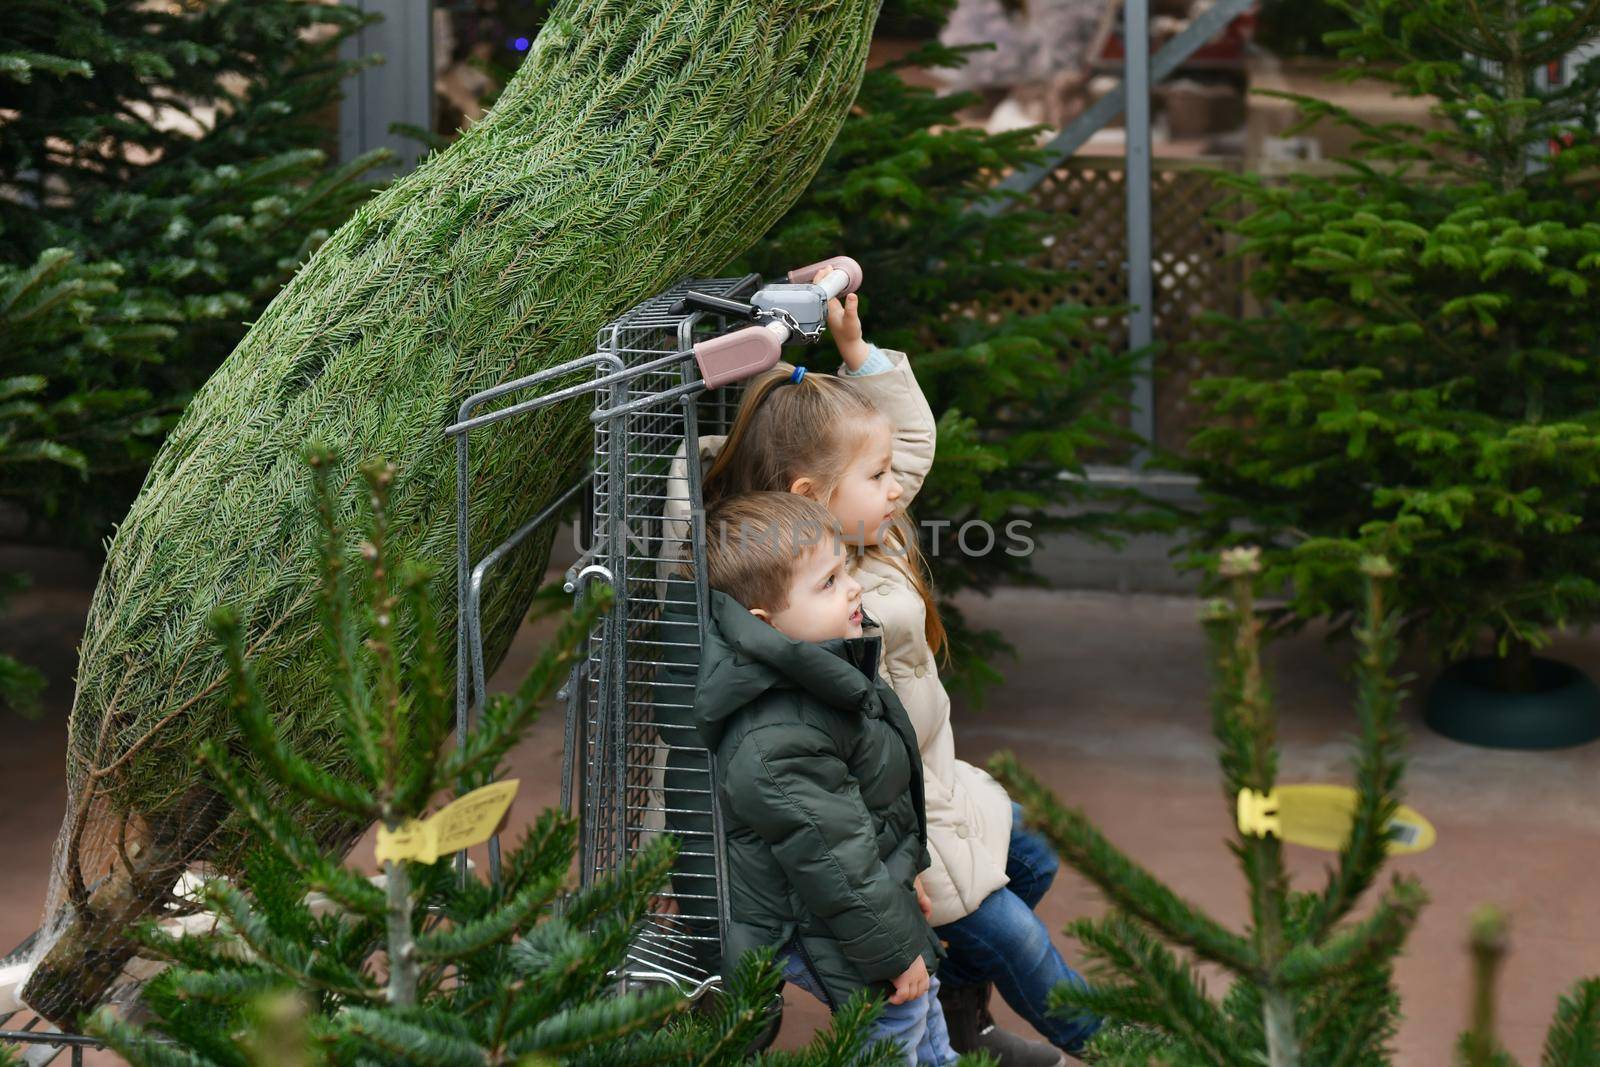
x: 1136, y: 182
x: 397, y: 90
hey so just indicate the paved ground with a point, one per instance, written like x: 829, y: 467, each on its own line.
x: 1107, y: 702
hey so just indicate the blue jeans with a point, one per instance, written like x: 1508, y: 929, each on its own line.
x: 1004, y: 942
x: 917, y: 1026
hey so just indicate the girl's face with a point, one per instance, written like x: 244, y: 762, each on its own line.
x: 863, y: 501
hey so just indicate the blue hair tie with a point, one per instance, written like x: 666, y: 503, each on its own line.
x: 799, y: 372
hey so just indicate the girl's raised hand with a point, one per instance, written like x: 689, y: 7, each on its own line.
x: 844, y: 322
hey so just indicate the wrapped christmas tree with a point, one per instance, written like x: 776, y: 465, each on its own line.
x: 640, y: 142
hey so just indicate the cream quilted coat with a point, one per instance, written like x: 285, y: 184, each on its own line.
x: 969, y: 814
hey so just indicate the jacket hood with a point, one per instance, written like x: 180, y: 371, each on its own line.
x: 742, y: 657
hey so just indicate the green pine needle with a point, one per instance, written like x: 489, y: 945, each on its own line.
x: 1574, y: 1037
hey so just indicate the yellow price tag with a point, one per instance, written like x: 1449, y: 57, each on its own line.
x: 1320, y: 816
x: 466, y: 821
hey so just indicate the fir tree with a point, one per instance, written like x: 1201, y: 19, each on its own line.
x: 308, y: 962
x: 1312, y: 986
x: 1425, y: 378
x: 163, y: 170
x: 638, y: 143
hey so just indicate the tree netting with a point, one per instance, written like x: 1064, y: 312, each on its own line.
x: 641, y: 141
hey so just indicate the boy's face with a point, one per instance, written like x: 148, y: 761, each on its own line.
x: 864, y: 500
x: 824, y: 601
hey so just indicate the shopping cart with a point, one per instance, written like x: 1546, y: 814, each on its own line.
x: 661, y: 376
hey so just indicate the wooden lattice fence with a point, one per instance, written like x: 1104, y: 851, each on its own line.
x: 1192, y: 272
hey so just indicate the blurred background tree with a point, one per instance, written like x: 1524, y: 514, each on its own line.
x: 1297, y: 27
x: 1421, y: 378
x: 164, y: 168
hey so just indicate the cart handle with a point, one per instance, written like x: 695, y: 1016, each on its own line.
x: 744, y: 353
x: 832, y: 283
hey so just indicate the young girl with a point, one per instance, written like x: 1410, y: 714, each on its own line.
x: 861, y: 444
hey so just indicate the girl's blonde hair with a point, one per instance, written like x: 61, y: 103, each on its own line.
x: 813, y: 428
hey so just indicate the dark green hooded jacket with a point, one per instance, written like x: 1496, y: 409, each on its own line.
x: 821, y: 794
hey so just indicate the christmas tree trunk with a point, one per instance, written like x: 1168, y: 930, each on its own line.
x: 640, y: 142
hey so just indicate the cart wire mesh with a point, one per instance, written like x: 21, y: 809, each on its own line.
x: 633, y: 767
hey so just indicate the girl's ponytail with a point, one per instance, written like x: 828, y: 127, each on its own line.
x: 724, y: 478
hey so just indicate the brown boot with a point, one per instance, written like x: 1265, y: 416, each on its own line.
x: 973, y: 1029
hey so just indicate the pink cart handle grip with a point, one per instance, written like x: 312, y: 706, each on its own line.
x: 803, y: 275
x: 736, y: 356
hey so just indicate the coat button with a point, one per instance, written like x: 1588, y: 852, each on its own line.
x: 961, y: 831
x: 883, y: 590
x: 922, y: 668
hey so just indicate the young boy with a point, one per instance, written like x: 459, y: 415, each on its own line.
x: 820, y: 779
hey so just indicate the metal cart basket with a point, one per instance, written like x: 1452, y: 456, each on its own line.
x: 633, y: 766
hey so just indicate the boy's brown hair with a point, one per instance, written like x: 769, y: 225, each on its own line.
x: 756, y: 541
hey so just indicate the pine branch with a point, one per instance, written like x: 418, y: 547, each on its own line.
x: 628, y: 890
x: 296, y: 773
x: 139, y: 1047
x: 742, y: 1014
x: 1130, y: 887
x: 546, y: 847
x: 345, y: 887
x: 507, y: 920
x: 1361, y: 1035
x: 401, y: 1041
x: 1574, y: 1037
x: 846, y: 1035
x: 299, y: 963
x: 248, y: 798
x: 599, y: 1021
x: 433, y: 715
x: 226, y: 987
x: 1371, y: 942
x: 1170, y: 995
x: 1380, y: 757
x: 505, y: 719
x: 339, y: 637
